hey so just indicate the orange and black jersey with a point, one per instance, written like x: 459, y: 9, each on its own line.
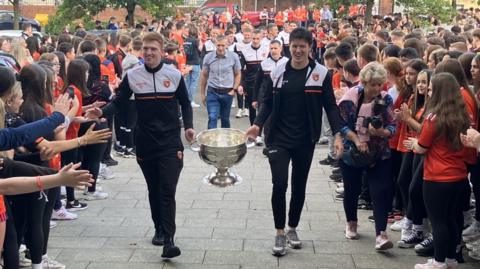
x: 158, y: 92
x: 250, y: 59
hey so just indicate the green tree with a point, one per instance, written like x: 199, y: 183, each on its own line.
x: 336, y: 4
x: 418, y: 9
x: 154, y: 7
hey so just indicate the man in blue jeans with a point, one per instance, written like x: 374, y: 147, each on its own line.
x: 220, y: 78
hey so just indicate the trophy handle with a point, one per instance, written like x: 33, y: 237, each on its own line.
x: 194, y: 146
x: 250, y: 142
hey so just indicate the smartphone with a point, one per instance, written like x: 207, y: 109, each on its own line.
x: 71, y: 93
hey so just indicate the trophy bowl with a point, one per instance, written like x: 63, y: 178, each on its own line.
x: 222, y: 148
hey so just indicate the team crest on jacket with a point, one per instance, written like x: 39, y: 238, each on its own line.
x: 166, y: 83
x: 316, y: 76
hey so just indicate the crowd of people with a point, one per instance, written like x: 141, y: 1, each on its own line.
x: 397, y: 106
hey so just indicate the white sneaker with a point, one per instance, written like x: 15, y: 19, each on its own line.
x: 472, y: 233
x: 194, y: 105
x: 105, y: 172
x: 97, y: 195
x: 233, y: 105
x: 23, y: 261
x: 245, y: 112
x: 63, y: 214
x: 397, y: 226
x: 52, y: 264
x: 53, y: 224
x: 431, y: 264
x: 239, y: 113
x: 259, y: 141
x: 473, y: 245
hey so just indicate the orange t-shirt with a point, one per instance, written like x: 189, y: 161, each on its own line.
x: 316, y: 15
x: 470, y: 154
x: 73, y: 128
x: 405, y: 132
x: 336, y: 79
x: 279, y: 19
x: 3, y: 210
x: 291, y: 15
x: 303, y: 14
x: 441, y: 164
x: 178, y: 38
x: 107, y: 70
x: 393, y: 141
x: 56, y: 161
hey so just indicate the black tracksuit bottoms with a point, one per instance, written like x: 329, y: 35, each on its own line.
x: 279, y: 159
x: 161, y: 175
x: 381, y: 187
x: 443, y: 204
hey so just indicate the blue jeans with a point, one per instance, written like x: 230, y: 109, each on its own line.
x: 218, y: 104
x: 191, y: 81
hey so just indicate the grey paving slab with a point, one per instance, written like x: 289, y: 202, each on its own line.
x: 219, y: 228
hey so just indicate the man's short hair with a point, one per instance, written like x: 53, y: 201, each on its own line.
x: 137, y: 44
x: 25, y: 26
x: 344, y: 51
x: 368, y: 52
x: 351, y: 66
x: 476, y: 33
x: 391, y: 50
x: 434, y: 40
x: 416, y: 44
x: 153, y: 36
x: 100, y: 44
x: 409, y: 53
x: 329, y: 54
x: 301, y: 34
x: 65, y: 47
x: 124, y: 40
x: 275, y: 41
x: 456, y: 29
x: 87, y: 46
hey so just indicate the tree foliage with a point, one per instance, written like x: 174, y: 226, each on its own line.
x: 86, y: 10
x: 420, y: 9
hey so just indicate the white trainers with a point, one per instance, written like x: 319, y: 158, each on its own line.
x: 105, y: 172
x: 245, y: 112
x: 52, y: 264
x: 53, y: 224
x: 351, y: 230
x: 259, y: 141
x: 398, y: 225
x: 406, y: 232
x: 431, y: 264
x: 239, y: 113
x: 473, y: 245
x: 63, y: 214
x: 23, y: 261
x: 382, y: 242
x: 472, y: 233
x: 194, y: 105
x: 97, y: 195
x: 233, y: 105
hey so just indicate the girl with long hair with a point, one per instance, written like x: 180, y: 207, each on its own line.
x: 445, y: 171
x: 405, y: 172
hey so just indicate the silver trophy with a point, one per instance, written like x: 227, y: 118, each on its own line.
x: 222, y: 148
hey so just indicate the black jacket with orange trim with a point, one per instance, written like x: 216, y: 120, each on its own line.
x: 158, y: 92
x: 318, y: 95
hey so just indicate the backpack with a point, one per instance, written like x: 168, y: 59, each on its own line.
x: 189, y: 49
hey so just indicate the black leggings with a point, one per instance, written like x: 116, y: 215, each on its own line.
x: 442, y: 201
x: 405, y: 177
x: 252, y: 113
x: 475, y: 180
x: 27, y: 211
x: 91, y: 155
x: 161, y: 175
x: 416, y: 207
x: 381, y: 191
x: 396, y: 164
x: 70, y: 156
x: 108, y: 149
x: 10, y: 245
x: 240, y: 101
x: 279, y: 159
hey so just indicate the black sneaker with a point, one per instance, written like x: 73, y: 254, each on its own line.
x: 129, y: 154
x: 411, y: 240
x: 75, y: 205
x: 336, y: 171
x: 339, y: 197
x: 110, y: 161
x: 335, y: 164
x: 336, y: 177
x: 170, y: 251
x: 158, y: 238
x: 327, y: 161
x: 117, y: 147
x: 425, y: 248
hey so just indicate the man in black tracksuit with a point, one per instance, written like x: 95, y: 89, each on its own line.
x: 294, y: 97
x: 158, y: 89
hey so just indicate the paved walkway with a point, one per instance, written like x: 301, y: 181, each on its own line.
x: 227, y: 228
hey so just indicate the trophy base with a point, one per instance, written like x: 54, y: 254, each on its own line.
x: 222, y: 179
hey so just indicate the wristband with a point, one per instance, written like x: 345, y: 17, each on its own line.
x: 41, y: 189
